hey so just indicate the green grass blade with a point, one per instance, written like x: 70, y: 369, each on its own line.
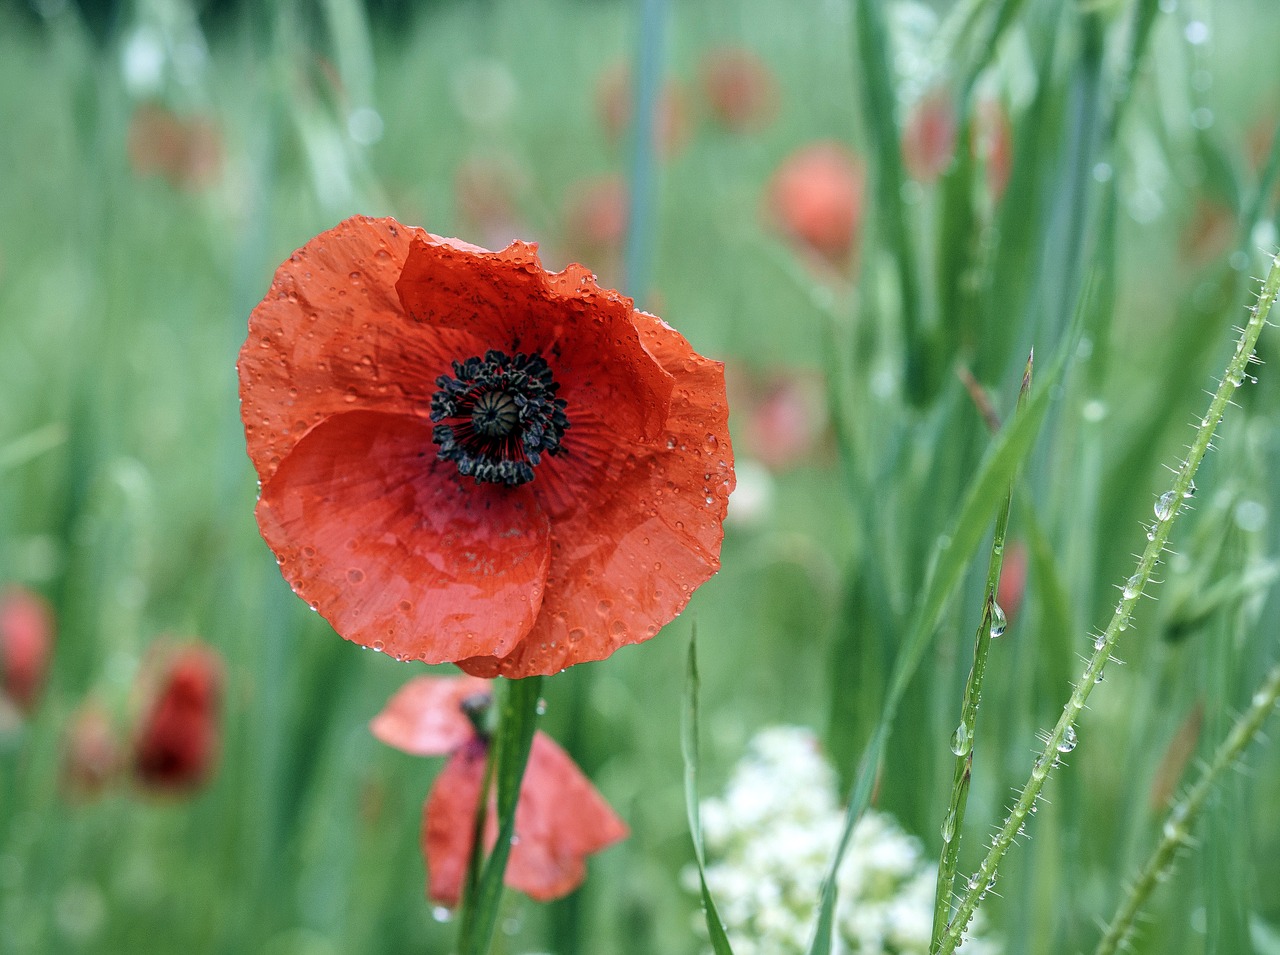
x: 951, y: 555
x: 689, y: 749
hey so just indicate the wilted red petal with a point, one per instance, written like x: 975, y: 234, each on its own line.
x: 177, y: 741
x: 425, y: 716
x: 449, y: 820
x: 816, y: 198
x: 26, y: 641
x: 331, y: 337
x: 396, y: 549
x: 624, y: 567
x: 560, y: 820
x: 509, y: 302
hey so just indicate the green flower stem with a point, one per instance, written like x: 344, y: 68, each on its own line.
x: 962, y: 743
x: 1062, y: 737
x: 508, y: 755
x: 1177, y: 827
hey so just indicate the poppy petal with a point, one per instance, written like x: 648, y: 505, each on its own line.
x: 425, y: 717
x: 330, y: 337
x: 508, y: 302
x: 395, y: 549
x: 449, y: 820
x: 624, y: 567
x: 560, y: 819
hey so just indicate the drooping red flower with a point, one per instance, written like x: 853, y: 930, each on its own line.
x: 816, y: 198
x: 176, y: 744
x: 560, y: 817
x: 740, y: 89
x: 465, y: 458
x: 26, y: 642
x: 929, y: 137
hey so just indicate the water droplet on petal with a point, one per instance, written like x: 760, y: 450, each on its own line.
x: 355, y: 575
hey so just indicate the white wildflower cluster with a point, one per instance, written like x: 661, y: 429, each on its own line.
x: 768, y: 839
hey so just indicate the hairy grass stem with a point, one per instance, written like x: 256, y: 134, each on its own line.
x: 1176, y: 831
x: 991, y: 625
x: 1062, y: 738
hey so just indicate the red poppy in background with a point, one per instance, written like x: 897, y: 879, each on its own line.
x: 466, y: 458
x: 26, y: 642
x: 177, y: 740
x: 560, y: 817
x: 816, y: 198
x: 929, y: 137
x: 740, y: 89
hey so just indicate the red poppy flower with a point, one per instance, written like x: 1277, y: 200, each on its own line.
x: 560, y: 817
x: 816, y: 197
x: 177, y: 741
x: 26, y: 640
x: 1013, y: 581
x: 465, y: 458
x: 740, y: 89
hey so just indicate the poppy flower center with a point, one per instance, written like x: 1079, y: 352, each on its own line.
x: 498, y: 415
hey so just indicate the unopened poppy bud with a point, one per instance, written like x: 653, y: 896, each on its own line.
x: 1013, y: 580
x: 815, y: 197
x: 26, y: 641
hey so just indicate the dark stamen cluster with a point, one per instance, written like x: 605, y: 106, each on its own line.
x: 499, y: 416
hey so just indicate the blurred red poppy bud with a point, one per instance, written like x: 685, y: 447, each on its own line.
x: 176, y: 746
x: 1013, y: 580
x: 739, y: 88
x: 26, y: 643
x: 929, y: 139
x: 815, y: 197
x: 615, y: 102
x: 90, y: 752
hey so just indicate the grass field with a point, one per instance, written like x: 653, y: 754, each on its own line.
x: 156, y: 174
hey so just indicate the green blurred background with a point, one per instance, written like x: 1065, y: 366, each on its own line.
x: 159, y: 159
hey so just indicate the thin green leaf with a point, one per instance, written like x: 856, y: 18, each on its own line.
x: 689, y: 748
